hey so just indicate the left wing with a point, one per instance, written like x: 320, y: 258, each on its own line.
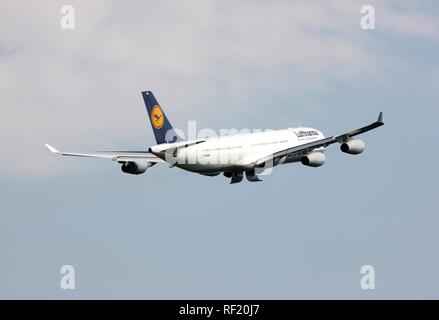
x: 308, y: 147
x: 120, y: 156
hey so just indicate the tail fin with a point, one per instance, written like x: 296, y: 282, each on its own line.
x: 163, y: 131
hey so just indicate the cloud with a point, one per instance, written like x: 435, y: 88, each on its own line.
x: 82, y: 88
x: 413, y: 20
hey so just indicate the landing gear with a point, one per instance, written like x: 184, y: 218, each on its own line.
x: 252, y: 177
x: 237, y: 177
x: 228, y: 174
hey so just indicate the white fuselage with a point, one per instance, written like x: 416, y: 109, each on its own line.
x: 235, y: 152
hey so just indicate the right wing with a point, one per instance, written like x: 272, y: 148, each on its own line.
x: 346, y: 136
x: 303, y: 149
x: 120, y: 156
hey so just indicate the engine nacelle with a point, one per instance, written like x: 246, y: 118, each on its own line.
x: 354, y: 146
x: 135, y: 167
x: 314, y: 159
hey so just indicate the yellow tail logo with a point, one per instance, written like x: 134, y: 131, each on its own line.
x: 157, y: 117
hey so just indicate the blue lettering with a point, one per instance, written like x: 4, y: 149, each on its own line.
x: 309, y: 133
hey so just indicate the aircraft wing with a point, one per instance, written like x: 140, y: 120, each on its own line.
x: 345, y: 136
x: 308, y: 147
x: 120, y: 156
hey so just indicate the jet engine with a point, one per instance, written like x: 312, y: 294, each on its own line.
x: 313, y: 159
x: 135, y: 167
x: 354, y: 146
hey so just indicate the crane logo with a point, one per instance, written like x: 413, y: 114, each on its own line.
x: 157, y: 117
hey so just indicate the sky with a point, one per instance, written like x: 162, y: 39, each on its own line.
x: 168, y: 234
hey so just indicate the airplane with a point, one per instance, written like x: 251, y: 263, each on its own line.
x: 232, y: 155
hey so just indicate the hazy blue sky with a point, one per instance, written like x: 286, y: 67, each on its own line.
x: 301, y: 233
